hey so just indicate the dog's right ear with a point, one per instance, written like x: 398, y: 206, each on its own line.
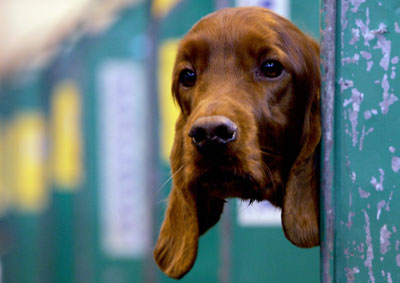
x: 176, y: 248
x: 189, y: 214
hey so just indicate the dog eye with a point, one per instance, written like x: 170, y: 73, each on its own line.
x: 187, y: 77
x: 271, y: 68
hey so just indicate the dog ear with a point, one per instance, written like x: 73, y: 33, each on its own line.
x: 189, y: 214
x: 300, y: 211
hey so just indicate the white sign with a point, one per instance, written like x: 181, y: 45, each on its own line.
x: 258, y: 214
x: 281, y: 7
x: 122, y: 158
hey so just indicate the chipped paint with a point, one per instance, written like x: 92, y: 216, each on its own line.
x: 345, y: 84
x: 385, y: 45
x: 351, y: 60
x: 355, y: 100
x: 350, y: 273
x: 379, y: 207
x: 363, y: 134
x: 356, y: 4
x: 389, y: 278
x: 396, y: 27
x: 363, y: 194
x: 374, y: 182
x: 398, y: 260
x: 368, y: 114
x: 395, y: 164
x: 388, y: 99
x: 328, y: 90
x: 384, y: 239
x: 356, y: 36
x: 387, y: 208
x: 370, y: 64
x: 366, y: 55
x: 370, y: 249
x: 367, y: 106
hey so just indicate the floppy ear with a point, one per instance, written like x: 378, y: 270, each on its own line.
x: 189, y: 214
x: 300, y: 211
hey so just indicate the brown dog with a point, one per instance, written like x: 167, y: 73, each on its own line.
x: 247, y: 82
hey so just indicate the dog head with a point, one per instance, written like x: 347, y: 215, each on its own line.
x: 247, y: 84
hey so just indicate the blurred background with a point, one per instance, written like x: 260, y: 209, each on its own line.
x: 86, y: 126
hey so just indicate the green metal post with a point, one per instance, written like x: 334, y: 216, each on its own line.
x: 361, y: 158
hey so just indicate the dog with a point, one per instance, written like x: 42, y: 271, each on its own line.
x: 247, y: 82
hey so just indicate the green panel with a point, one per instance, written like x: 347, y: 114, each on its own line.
x: 367, y: 142
x: 25, y: 253
x: 180, y: 19
x: 305, y: 14
x: 263, y: 254
x: 123, y: 41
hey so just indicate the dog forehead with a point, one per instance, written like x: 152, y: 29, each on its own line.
x: 244, y: 30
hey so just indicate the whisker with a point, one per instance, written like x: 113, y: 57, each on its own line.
x: 269, y: 151
x: 269, y: 174
x: 168, y: 180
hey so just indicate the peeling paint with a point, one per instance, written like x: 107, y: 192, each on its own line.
x: 345, y: 84
x: 350, y: 273
x: 379, y: 207
x: 351, y: 60
x: 368, y: 113
x: 395, y: 164
x: 356, y: 36
x: 356, y: 99
x: 353, y: 179
x: 365, y: 32
x: 384, y: 239
x: 387, y: 208
x: 385, y: 45
x: 374, y: 182
x: 366, y: 55
x: 363, y: 194
x: 349, y: 219
x: 360, y: 248
x: 369, y: 65
x: 370, y: 249
x: 393, y: 74
x: 362, y: 138
x: 388, y: 99
x: 367, y: 80
x: 389, y: 278
x: 356, y: 4
x: 396, y: 27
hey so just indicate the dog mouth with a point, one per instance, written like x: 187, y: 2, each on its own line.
x: 226, y: 183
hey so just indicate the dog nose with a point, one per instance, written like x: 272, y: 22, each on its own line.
x: 213, y: 132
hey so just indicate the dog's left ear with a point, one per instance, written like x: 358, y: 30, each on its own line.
x: 190, y: 214
x: 300, y: 211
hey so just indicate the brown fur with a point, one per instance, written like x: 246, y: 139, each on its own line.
x: 275, y: 155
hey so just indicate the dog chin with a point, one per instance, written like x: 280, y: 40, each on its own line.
x: 223, y: 184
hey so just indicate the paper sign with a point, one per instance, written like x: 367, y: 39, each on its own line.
x: 258, y: 214
x: 281, y: 7
x: 122, y: 155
